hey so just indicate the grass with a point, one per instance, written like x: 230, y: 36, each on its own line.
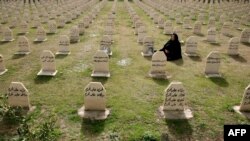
x: 132, y: 96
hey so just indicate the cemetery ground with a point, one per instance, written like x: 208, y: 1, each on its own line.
x: 132, y: 95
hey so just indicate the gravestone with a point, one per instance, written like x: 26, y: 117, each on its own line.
x: 186, y: 23
x: 245, y: 36
x: 141, y: 34
x: 105, y: 44
x: 233, y: 46
x: 197, y: 28
x: 40, y: 35
x: 213, y: 64
x: 160, y: 23
x: 148, y: 46
x: 48, y: 64
x: 211, y: 22
x: 94, y: 102
x: 7, y: 35
x: 61, y: 21
x: 211, y: 35
x: 2, y: 66
x: 226, y: 29
x: 74, y: 35
x: 244, y: 108
x: 236, y: 24
x: 158, y: 67
x: 52, y: 27
x: 101, y: 64
x: 18, y: 95
x: 63, y: 45
x: 24, y: 27
x: 191, y: 46
x: 174, y: 106
x: 168, y: 28
x: 23, y: 45
x: 36, y: 22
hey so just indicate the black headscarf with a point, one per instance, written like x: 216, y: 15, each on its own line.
x: 173, y: 47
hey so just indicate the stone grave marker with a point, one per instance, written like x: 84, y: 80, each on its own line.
x: 94, y: 102
x: 174, y: 106
x: 23, y: 45
x: 191, y: 46
x: 74, y: 35
x: 64, y: 43
x: 40, y: 35
x: 158, y: 67
x: 48, y: 64
x: 233, y: 46
x: 213, y: 64
x: 2, y: 66
x: 101, y: 64
x: 148, y: 46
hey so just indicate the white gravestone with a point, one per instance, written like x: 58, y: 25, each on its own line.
x: 168, y: 28
x: 24, y: 27
x: 64, y: 43
x: 40, y: 35
x: 105, y: 44
x: 48, y: 64
x: 141, y: 34
x: 174, y: 106
x: 197, y: 28
x: 191, y: 46
x: 245, y: 36
x: 81, y: 27
x: 2, y: 66
x: 23, y: 45
x: 213, y: 64
x: 7, y: 35
x: 233, y: 46
x: 148, y: 46
x: 244, y: 108
x: 211, y: 35
x: 94, y: 102
x: 18, y: 96
x: 158, y: 67
x: 101, y: 64
x: 226, y: 29
x: 74, y: 35
x: 52, y: 27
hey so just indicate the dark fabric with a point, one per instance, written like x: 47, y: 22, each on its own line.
x: 173, y: 48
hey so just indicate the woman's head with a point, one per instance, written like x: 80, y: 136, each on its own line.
x: 174, y: 37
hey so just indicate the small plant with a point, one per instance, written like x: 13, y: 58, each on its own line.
x: 148, y: 136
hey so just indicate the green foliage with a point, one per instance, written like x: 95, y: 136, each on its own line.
x: 148, y: 136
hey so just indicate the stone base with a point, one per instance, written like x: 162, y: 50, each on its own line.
x: 96, y: 115
x: 4, y: 40
x: 237, y: 110
x: 36, y: 40
x: 2, y: 72
x: 182, y: 42
x: 240, y: 29
x: 146, y: 55
x: 212, y: 75
x: 63, y: 53
x: 191, y: 54
x: 100, y: 74
x: 47, y: 73
x: 22, y: 53
x: 186, y: 114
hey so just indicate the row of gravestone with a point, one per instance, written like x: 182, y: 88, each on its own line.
x: 174, y: 105
x: 196, y: 10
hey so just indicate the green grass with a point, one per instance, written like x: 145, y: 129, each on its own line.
x: 132, y: 96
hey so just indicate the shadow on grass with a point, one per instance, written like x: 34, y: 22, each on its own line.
x: 179, y: 128
x: 201, y: 35
x: 4, y: 42
x: 178, y: 62
x: 38, y: 42
x: 246, y: 44
x: 238, y: 58
x: 103, y: 80
x: 220, y: 81
x: 42, y: 79
x: 17, y: 56
x: 92, y: 127
x: 159, y: 81
x: 61, y: 56
x: 196, y: 58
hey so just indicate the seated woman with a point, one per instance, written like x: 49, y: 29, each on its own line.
x: 172, y: 49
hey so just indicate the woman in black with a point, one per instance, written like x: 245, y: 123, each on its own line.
x: 172, y: 49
